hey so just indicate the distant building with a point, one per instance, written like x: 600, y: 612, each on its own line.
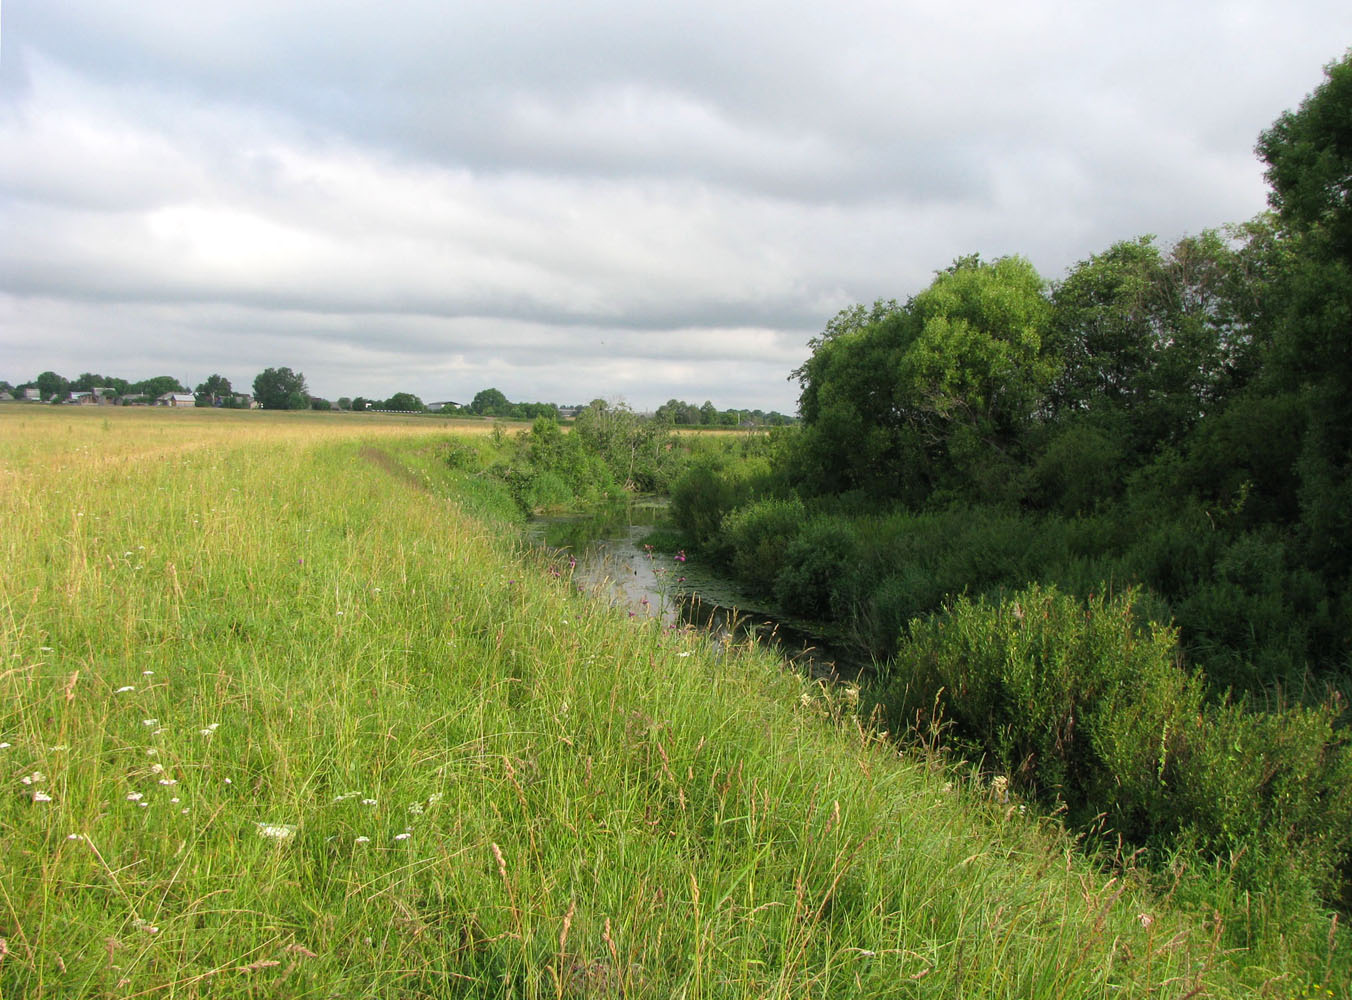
x: 444, y: 405
x: 176, y: 399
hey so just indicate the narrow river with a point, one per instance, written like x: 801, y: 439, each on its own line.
x: 613, y: 562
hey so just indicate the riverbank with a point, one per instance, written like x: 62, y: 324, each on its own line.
x: 283, y: 720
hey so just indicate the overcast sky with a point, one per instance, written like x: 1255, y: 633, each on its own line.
x: 611, y: 198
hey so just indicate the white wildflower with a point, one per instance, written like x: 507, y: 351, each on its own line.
x: 124, y: 690
x: 150, y: 722
x: 363, y: 840
x: 276, y: 831
x: 168, y: 781
x: 75, y: 836
x: 34, y: 778
x: 368, y: 802
x: 41, y: 797
x: 1000, y: 788
x: 402, y: 836
x: 134, y: 796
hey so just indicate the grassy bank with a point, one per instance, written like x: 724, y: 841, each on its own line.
x: 281, y: 719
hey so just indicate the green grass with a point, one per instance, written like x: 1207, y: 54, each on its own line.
x: 308, y: 729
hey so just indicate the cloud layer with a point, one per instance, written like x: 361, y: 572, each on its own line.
x: 595, y: 199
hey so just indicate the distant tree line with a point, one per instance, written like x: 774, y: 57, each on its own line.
x: 681, y: 413
x: 283, y: 389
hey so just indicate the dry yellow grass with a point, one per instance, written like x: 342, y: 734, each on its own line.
x: 42, y: 440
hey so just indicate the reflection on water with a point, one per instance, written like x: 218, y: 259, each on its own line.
x: 804, y: 649
x: 613, y: 563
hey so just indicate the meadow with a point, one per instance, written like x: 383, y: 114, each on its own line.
x: 286, y: 711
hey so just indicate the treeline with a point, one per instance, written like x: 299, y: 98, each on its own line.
x: 683, y: 414
x: 284, y: 389
x: 51, y: 387
x: 1034, y: 501
x: 273, y: 388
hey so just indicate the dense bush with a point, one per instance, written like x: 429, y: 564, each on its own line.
x: 552, y: 470
x: 815, y: 564
x: 1076, y: 702
x: 710, y: 487
x: 758, y: 536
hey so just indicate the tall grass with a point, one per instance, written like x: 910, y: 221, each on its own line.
x: 281, y: 719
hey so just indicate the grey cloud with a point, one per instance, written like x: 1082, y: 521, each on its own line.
x: 627, y: 197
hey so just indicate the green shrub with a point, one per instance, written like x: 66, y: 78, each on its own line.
x: 1080, y: 469
x: 1024, y: 679
x: 817, y: 565
x: 1078, y: 703
x: 550, y: 469
x: 757, y: 537
x: 712, y: 485
x: 893, y: 601
x: 1272, y: 791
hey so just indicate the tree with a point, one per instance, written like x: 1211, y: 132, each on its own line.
x: 1309, y: 156
x: 89, y: 381
x: 281, y: 389
x: 935, y: 395
x: 215, y: 390
x: 154, y: 388
x: 490, y: 403
x: 1151, y: 340
x: 344, y: 402
x: 52, y: 386
x: 404, y: 401
x: 630, y: 444
x: 676, y: 411
x: 532, y: 411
